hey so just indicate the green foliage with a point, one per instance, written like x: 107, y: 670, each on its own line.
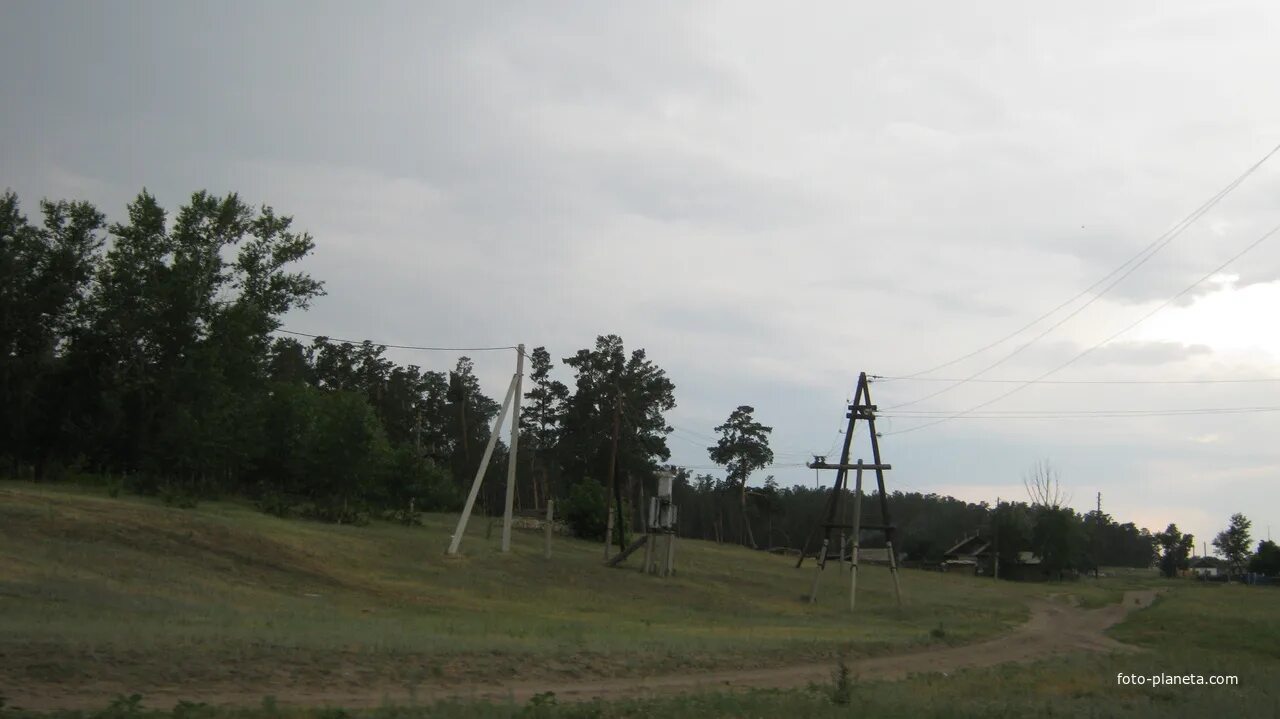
x: 192, y: 710
x: 610, y: 382
x: 540, y: 705
x: 743, y: 448
x: 1056, y: 538
x: 178, y: 495
x: 583, y: 510
x: 1233, y: 543
x: 841, y: 683
x: 122, y: 707
x: 1267, y: 559
x: 1175, y: 550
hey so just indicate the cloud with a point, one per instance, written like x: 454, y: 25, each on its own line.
x: 1145, y: 353
x: 768, y: 199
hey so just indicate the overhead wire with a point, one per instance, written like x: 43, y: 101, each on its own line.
x: 1248, y: 248
x: 1132, y: 265
x: 1061, y: 414
x: 883, y: 378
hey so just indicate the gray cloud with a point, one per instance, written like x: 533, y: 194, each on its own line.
x: 768, y: 199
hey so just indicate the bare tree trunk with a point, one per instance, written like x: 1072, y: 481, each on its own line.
x: 746, y: 523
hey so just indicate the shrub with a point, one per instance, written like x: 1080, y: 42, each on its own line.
x: 583, y: 510
x: 841, y: 683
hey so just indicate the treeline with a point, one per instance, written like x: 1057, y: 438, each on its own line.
x: 927, y: 524
x: 148, y: 352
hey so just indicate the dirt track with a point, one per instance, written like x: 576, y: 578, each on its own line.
x: 1052, y: 629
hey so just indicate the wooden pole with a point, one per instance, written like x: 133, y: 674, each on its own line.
x: 842, y: 478
x: 613, y: 464
x: 648, y: 532
x: 484, y: 465
x: 546, y: 531
x: 515, y: 452
x: 817, y: 572
x: 857, y: 533
x: 889, y: 531
x: 995, y: 544
x: 671, y: 554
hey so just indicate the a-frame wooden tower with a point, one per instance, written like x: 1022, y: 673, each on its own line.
x: 861, y: 408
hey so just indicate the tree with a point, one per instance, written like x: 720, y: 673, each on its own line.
x: 742, y: 449
x: 1056, y: 538
x: 1044, y: 487
x: 46, y: 274
x: 541, y: 419
x: 1233, y: 542
x: 1266, y: 560
x: 1175, y: 550
x: 1056, y: 534
x: 1011, y: 530
x: 608, y: 380
x: 467, y: 419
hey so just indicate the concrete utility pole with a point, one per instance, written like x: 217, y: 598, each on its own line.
x: 857, y: 533
x: 514, y: 455
x: 484, y: 465
x: 613, y: 463
x: 995, y: 546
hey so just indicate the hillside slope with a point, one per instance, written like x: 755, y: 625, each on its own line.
x: 102, y: 595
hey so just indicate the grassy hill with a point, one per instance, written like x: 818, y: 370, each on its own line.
x: 124, y: 594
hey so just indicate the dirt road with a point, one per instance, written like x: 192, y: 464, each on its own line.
x: 1052, y: 629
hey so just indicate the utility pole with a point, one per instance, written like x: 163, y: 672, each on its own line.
x: 613, y: 464
x: 456, y: 540
x: 1097, y: 536
x: 861, y: 408
x: 515, y: 454
x: 995, y: 543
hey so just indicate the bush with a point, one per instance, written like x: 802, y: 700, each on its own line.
x: 583, y: 510
x: 841, y: 683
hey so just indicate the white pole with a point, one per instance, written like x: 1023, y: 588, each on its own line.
x: 484, y: 465
x: 857, y: 534
x: 546, y: 549
x: 514, y: 455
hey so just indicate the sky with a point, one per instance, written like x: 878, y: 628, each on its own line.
x: 767, y: 198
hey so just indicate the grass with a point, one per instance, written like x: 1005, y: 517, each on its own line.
x: 1187, y: 631
x: 127, y: 594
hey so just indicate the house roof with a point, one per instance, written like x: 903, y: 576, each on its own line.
x: 969, y: 546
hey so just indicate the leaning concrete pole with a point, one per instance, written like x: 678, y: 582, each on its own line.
x: 514, y: 455
x: 484, y: 465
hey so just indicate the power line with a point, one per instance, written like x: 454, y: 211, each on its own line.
x: 1248, y: 248
x: 1100, y: 415
x: 881, y: 378
x: 399, y: 347
x: 1136, y: 261
x: 1062, y: 413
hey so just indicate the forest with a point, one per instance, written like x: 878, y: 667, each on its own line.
x: 148, y: 355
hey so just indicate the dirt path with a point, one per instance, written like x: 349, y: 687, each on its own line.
x: 1053, y: 629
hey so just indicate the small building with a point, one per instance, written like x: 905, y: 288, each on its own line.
x: 977, y: 555
x: 971, y: 555
x: 1205, y: 568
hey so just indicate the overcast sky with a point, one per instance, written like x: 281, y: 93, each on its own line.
x: 768, y: 200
